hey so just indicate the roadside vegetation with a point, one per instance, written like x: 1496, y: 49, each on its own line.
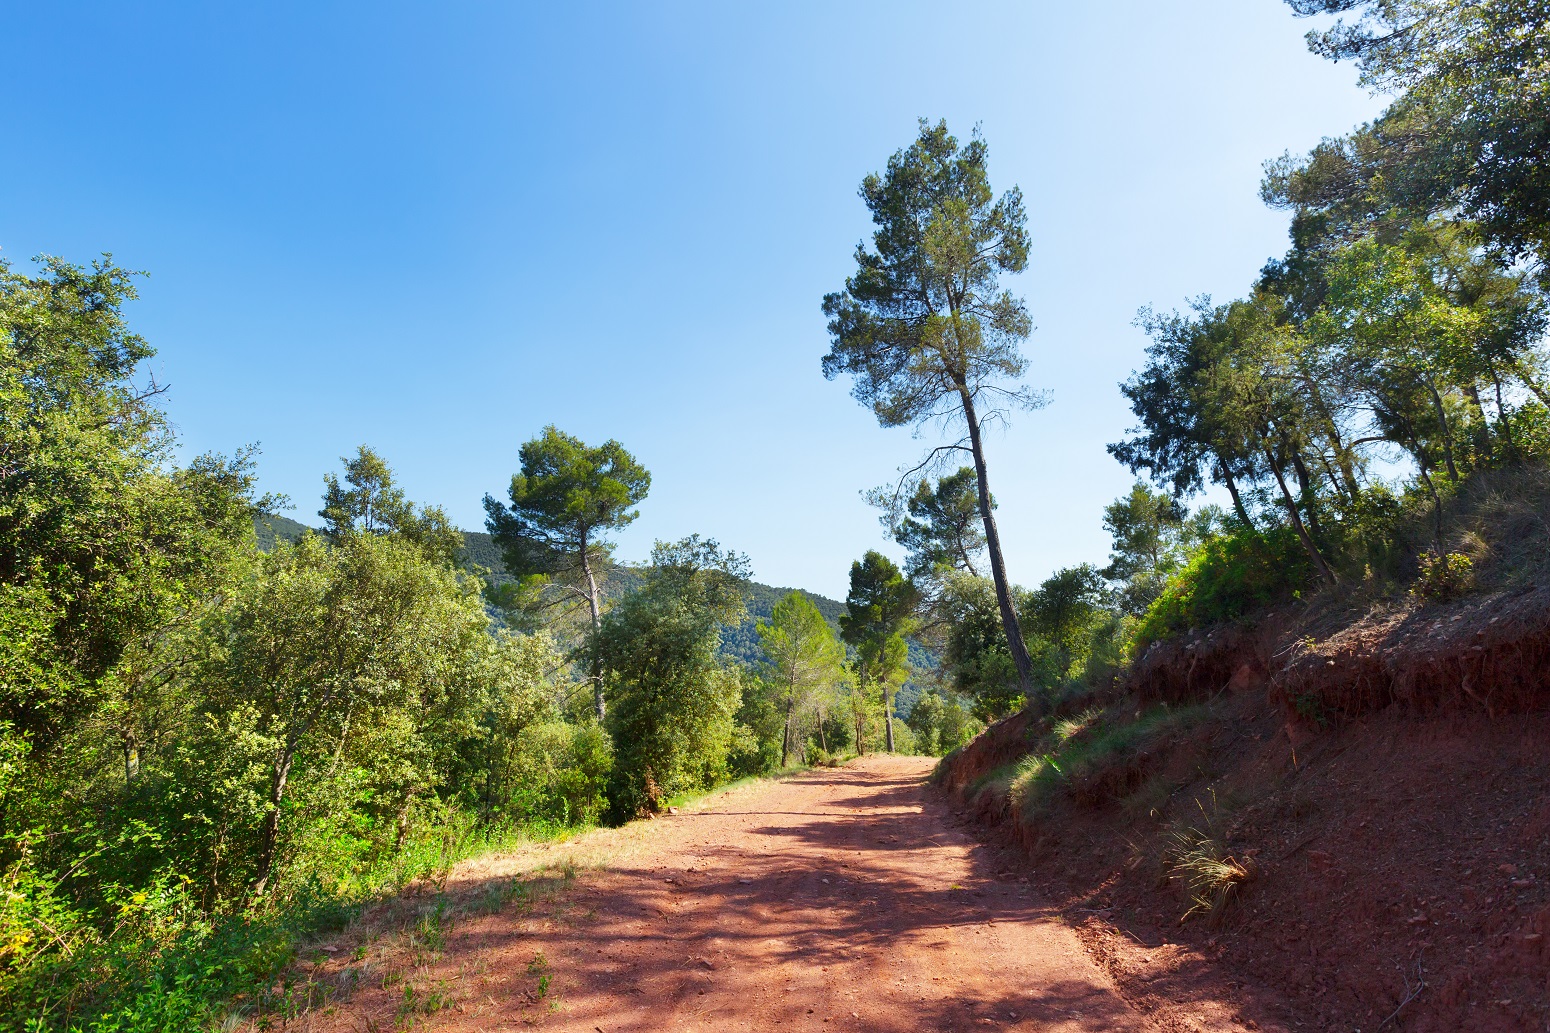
x: 211, y: 752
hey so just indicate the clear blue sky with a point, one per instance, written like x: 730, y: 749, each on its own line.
x: 438, y: 227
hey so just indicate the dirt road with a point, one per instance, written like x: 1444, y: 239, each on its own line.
x: 841, y: 899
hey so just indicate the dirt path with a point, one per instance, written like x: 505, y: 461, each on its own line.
x: 840, y: 899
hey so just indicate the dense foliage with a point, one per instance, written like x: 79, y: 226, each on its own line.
x: 207, y: 749
x: 1394, y: 352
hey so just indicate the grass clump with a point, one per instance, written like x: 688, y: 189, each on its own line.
x: 1213, y: 877
x: 1095, y: 757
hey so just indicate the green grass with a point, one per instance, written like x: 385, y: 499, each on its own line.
x: 1095, y: 756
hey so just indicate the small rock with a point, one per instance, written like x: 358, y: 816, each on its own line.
x: 745, y: 882
x: 1523, y: 884
x: 1507, y: 869
x: 672, y: 810
x: 331, y: 950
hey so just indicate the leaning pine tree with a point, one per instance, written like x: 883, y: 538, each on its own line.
x: 925, y: 327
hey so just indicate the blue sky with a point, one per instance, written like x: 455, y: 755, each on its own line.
x: 436, y: 228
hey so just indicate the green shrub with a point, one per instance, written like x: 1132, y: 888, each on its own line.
x: 560, y: 775
x: 1445, y: 577
x: 1231, y: 575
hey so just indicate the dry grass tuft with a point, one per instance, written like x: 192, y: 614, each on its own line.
x: 1213, y: 877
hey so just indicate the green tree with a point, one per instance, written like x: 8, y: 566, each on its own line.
x: 1146, y: 529
x: 925, y: 327
x: 374, y: 504
x: 802, y: 656
x: 942, y: 529
x: 105, y: 547
x: 1466, y: 133
x: 878, y: 611
x: 673, y: 700
x: 564, y: 502
x: 1065, y: 610
x: 330, y: 639
x: 940, y: 723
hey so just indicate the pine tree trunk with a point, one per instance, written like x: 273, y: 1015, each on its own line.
x: 1297, y: 524
x: 861, y: 708
x: 1237, y: 500
x: 887, y: 717
x: 1014, y: 632
x: 785, y: 742
x: 595, y: 605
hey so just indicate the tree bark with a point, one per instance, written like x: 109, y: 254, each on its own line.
x: 1297, y: 524
x: 1305, y: 490
x: 887, y: 716
x: 595, y: 606
x: 1014, y: 632
x: 1483, y: 437
x: 785, y: 742
x: 861, y: 708
x: 1447, y: 434
x: 1501, y: 416
x: 270, y: 836
x: 1237, y: 500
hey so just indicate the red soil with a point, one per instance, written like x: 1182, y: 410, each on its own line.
x: 1390, y: 852
x: 849, y: 899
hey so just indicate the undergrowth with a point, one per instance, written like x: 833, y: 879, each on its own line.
x: 1096, y: 757
x: 164, y: 965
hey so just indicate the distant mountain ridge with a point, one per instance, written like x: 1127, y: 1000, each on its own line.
x: 480, y: 550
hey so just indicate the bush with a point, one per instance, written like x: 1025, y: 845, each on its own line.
x: 561, y: 773
x: 1231, y: 575
x: 1445, y: 577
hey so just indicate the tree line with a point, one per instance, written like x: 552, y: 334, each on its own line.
x: 1395, y: 351
x: 204, y: 747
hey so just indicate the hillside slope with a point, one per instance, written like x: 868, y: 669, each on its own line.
x: 1345, y: 800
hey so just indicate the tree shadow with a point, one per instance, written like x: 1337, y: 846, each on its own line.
x: 747, y: 936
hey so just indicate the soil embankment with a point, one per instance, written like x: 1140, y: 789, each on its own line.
x: 840, y: 899
x: 1385, y: 786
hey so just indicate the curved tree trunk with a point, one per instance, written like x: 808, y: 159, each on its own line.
x: 1014, y: 632
x: 1447, y: 431
x: 1237, y: 500
x: 1297, y: 524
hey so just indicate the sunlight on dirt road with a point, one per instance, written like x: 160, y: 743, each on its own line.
x: 842, y: 899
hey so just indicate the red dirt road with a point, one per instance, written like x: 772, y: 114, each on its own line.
x: 841, y: 899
